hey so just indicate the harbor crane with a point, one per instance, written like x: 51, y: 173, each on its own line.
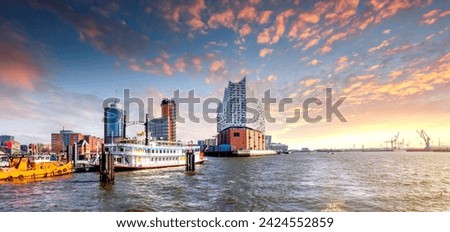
x: 425, y: 138
x: 393, y: 142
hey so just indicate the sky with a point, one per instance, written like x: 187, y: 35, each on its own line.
x: 390, y: 59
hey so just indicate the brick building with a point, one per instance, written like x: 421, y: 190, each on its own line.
x: 234, y: 126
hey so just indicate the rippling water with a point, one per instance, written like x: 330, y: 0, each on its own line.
x: 392, y: 181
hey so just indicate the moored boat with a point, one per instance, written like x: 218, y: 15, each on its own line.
x: 30, y: 168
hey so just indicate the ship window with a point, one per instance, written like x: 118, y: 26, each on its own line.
x: 121, y: 149
x: 236, y: 134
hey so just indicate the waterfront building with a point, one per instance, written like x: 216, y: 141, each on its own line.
x: 11, y: 147
x: 236, y: 125
x: 114, y: 123
x: 60, y: 141
x: 24, y: 148
x: 164, y: 128
x: 95, y: 144
x: 4, y: 138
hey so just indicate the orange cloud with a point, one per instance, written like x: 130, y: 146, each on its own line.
x: 265, y: 51
x: 264, y: 17
x: 302, y: 24
x: 314, y: 62
x: 433, y: 15
x: 190, y: 12
x: 225, y: 19
x: 311, y: 43
x: 245, y: 30
x: 343, y: 11
x: 421, y: 80
x: 248, y: 13
x: 197, y: 63
x: 328, y: 45
x: 309, y: 82
x: 341, y: 63
x: 180, y: 64
x: 385, y: 43
x: 18, y: 66
x: 217, y: 65
x: 273, y: 34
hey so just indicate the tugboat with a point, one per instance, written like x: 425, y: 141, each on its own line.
x: 34, y: 168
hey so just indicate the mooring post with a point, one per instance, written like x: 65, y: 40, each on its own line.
x: 75, y: 154
x: 68, y: 154
x: 190, y: 159
x: 106, y: 166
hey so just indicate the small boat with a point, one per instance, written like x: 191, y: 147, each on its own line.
x: 31, y: 168
x: 84, y: 166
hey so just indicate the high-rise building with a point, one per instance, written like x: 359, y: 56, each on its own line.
x: 164, y: 128
x: 169, y: 111
x: 159, y: 128
x: 114, y: 123
x: 236, y: 125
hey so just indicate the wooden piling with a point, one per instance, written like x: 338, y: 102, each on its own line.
x: 190, y: 161
x: 106, y: 167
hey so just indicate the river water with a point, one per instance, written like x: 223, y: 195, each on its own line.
x: 354, y: 181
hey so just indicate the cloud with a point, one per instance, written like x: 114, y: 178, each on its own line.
x: 383, y: 44
x: 183, y: 12
x: 19, y: 67
x: 342, y: 63
x: 105, y: 34
x: 265, y: 51
x: 180, y: 64
x: 245, y: 30
x: 272, y: 78
x: 264, y: 17
x: 418, y: 81
x: 433, y: 16
x: 224, y: 19
x: 309, y: 82
x: 314, y: 62
x: 387, y: 31
x: 217, y: 65
x: 248, y: 13
x: 343, y: 11
x: 134, y: 66
x: 311, y: 43
x: 197, y: 63
x: 328, y: 45
x: 273, y: 34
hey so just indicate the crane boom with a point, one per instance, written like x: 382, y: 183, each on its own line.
x: 425, y: 138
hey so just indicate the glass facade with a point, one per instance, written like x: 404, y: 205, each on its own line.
x: 113, y: 120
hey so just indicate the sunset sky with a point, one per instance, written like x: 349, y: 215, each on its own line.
x: 389, y: 58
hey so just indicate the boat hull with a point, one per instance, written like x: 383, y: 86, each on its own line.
x: 22, y: 168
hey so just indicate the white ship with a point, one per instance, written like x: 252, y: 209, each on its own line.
x: 131, y: 154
